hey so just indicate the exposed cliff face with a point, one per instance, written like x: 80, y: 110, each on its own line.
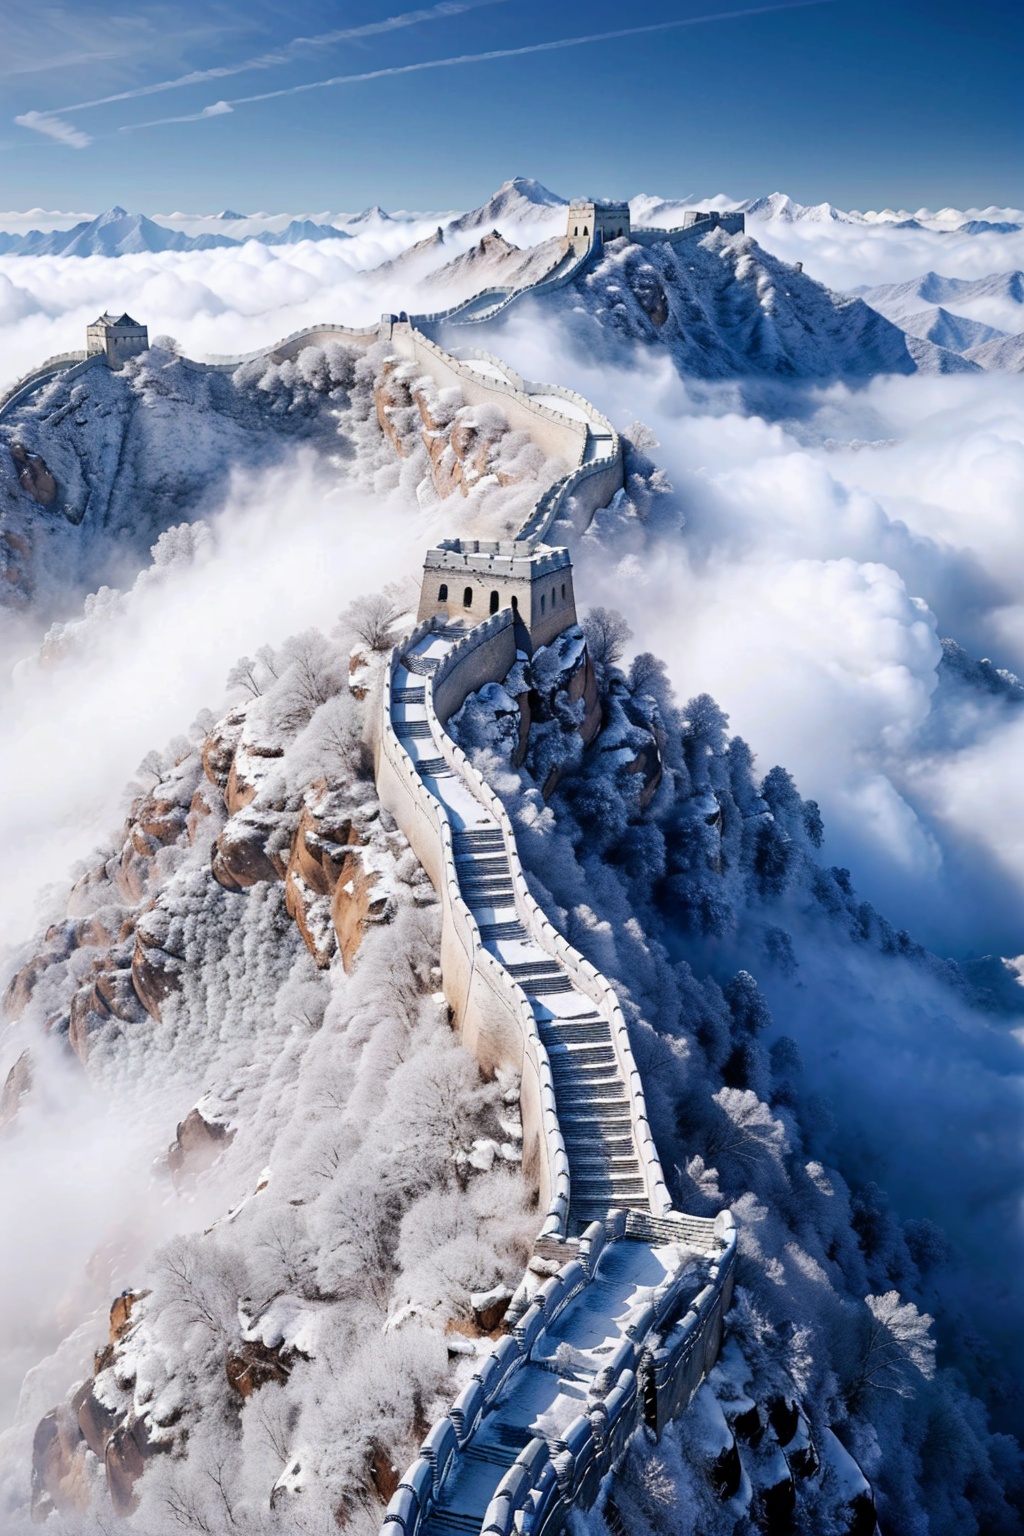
x: 340, y: 1115
x: 95, y: 469
x: 225, y: 803
x: 724, y: 308
x: 466, y: 445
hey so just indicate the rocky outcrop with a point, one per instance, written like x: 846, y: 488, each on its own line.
x: 252, y: 1364
x: 465, y: 443
x: 60, y: 1477
x: 33, y: 476
x: 240, y: 858
x: 109, y: 993
x: 220, y: 746
x: 361, y: 897
x: 18, y: 1083
x: 197, y: 1144
x: 156, y: 971
x: 124, y: 1460
x: 88, y: 1426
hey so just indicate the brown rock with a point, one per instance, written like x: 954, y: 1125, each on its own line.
x: 95, y: 1421
x: 60, y: 1477
x: 393, y: 402
x: 239, y: 858
x: 103, y: 1359
x: 33, y: 476
x: 319, y: 849
x: 249, y: 767
x: 384, y: 1475
x: 360, y: 898
x: 252, y: 1364
x: 124, y: 1461
x: 197, y: 1144
x: 91, y: 891
x: 489, y: 1317
x: 121, y: 1309
x: 109, y: 993
x: 154, y: 823
x: 19, y: 1081
x: 131, y: 874
x: 219, y: 746
x: 312, y: 914
x: 197, y: 813
x: 155, y: 975
x: 23, y: 983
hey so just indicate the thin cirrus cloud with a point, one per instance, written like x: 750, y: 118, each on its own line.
x: 288, y: 52
x: 488, y: 56
x: 53, y: 127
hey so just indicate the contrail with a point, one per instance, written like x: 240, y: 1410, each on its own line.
x: 287, y: 52
x: 482, y: 58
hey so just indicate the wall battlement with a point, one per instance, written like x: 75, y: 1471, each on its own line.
x: 117, y: 339
x: 468, y: 579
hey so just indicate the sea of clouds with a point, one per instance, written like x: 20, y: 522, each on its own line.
x: 826, y: 548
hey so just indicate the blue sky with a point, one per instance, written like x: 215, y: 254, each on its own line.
x: 865, y: 102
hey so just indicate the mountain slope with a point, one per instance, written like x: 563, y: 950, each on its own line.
x: 521, y: 200
x: 996, y: 300
x: 118, y: 233
x: 725, y: 308
x: 92, y: 471
x: 955, y: 332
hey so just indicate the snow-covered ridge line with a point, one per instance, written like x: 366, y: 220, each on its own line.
x: 61, y: 362
x: 650, y: 1372
x: 585, y: 976
x: 474, y: 982
x: 651, y: 1366
x: 523, y: 997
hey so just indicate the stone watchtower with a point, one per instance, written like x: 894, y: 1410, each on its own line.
x: 469, y: 579
x: 118, y: 339
x: 591, y: 221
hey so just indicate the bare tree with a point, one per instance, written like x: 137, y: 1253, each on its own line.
x: 607, y: 633
x: 895, y: 1348
x: 372, y: 620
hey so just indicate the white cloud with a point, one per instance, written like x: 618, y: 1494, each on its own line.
x: 54, y: 128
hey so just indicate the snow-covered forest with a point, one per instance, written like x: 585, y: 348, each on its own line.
x: 262, y: 1213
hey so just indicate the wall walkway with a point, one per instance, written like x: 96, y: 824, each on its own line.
x: 626, y: 1328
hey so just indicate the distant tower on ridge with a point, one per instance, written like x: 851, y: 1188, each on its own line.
x: 589, y: 218
x: 118, y: 339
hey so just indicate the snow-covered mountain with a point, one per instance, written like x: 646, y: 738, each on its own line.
x: 306, y: 1201
x: 981, y: 318
x: 101, y: 466
x: 118, y: 233
x: 955, y: 332
x: 518, y: 201
x: 723, y: 307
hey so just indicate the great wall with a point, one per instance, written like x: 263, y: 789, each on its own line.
x: 620, y: 1314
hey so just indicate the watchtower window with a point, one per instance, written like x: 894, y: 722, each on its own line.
x: 494, y: 602
x: 442, y: 592
x: 467, y: 598
x: 563, y: 591
x: 554, y: 597
x: 515, y: 605
x: 542, y: 602
x: 586, y: 229
x: 576, y: 230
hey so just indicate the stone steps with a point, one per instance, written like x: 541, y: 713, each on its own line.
x: 436, y: 767
x: 489, y: 932
x: 413, y: 730
x: 408, y: 695
x: 422, y: 666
